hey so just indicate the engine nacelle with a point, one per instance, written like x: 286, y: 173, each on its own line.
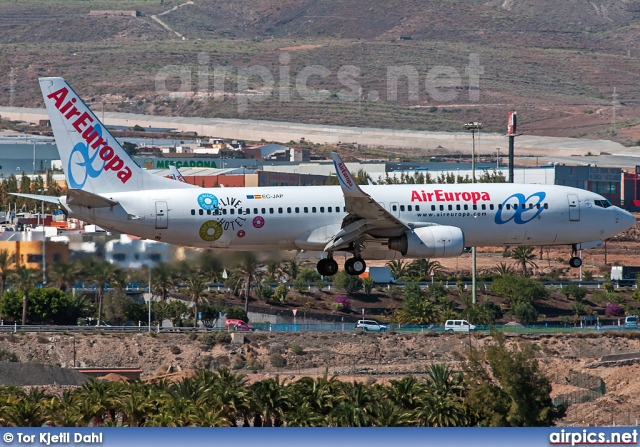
x: 437, y: 241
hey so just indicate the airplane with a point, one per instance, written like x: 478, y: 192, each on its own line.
x: 175, y: 174
x: 107, y: 188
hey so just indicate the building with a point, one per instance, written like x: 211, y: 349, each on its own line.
x: 604, y: 181
x: 26, y: 248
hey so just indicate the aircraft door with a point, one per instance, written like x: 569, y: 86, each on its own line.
x: 574, y: 207
x: 162, y: 215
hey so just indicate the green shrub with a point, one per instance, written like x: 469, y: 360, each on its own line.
x: 525, y: 313
x: 277, y: 360
x: 297, y: 349
x: 8, y: 356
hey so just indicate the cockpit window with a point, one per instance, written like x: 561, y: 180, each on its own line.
x: 602, y: 203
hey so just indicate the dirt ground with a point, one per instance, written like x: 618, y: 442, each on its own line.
x: 364, y: 357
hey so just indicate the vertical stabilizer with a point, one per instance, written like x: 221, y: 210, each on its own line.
x: 92, y: 158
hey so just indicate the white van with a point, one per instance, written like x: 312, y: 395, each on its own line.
x: 458, y: 326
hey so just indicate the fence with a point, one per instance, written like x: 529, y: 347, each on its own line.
x: 592, y: 387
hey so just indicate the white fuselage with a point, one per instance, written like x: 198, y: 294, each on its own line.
x: 294, y: 217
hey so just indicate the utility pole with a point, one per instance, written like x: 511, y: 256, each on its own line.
x: 473, y: 127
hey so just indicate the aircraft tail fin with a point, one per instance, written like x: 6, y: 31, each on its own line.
x: 92, y: 158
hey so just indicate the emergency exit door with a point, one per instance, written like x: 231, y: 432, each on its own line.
x: 574, y: 207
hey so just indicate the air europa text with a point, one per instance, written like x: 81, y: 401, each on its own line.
x: 439, y: 195
x: 112, y: 161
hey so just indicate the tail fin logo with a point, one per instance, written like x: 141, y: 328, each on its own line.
x: 80, y: 159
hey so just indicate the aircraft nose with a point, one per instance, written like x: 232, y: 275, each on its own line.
x: 627, y: 220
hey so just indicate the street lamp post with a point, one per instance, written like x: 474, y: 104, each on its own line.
x: 473, y: 127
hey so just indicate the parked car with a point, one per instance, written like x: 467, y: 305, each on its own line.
x: 238, y: 325
x: 458, y: 326
x: 371, y: 325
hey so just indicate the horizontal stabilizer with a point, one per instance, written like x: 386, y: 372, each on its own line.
x: 78, y: 197
x: 50, y: 199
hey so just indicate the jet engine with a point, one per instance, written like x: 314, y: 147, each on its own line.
x: 437, y: 241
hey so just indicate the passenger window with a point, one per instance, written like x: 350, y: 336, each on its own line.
x: 484, y: 207
x: 457, y: 207
x: 328, y: 209
x: 344, y: 209
x: 546, y: 206
x: 531, y: 206
x: 450, y: 207
x: 289, y: 209
x: 466, y: 207
x: 255, y: 211
x: 408, y: 207
x: 394, y: 208
x: 280, y: 210
x: 322, y: 209
x: 401, y: 207
x: 232, y: 211
x: 441, y: 207
x: 306, y: 209
x: 224, y: 211
x: 209, y: 212
x: 433, y: 207
x: 508, y: 206
x: 264, y: 211
x: 247, y: 211
x: 500, y: 206
x: 201, y: 212
x: 491, y: 206
x: 297, y: 210
x: 313, y: 209
x: 538, y: 206
x: 193, y: 212
x: 524, y: 206
x: 270, y: 210
x: 417, y: 207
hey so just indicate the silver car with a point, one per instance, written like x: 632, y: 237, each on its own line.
x: 371, y: 325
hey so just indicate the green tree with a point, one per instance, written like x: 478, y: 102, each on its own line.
x: 6, y: 267
x: 196, y: 284
x: 398, y: 268
x: 367, y: 284
x: 162, y: 279
x: 573, y: 289
x: 24, y: 280
x: 237, y: 313
x: 517, y: 288
x: 246, y: 272
x: 100, y: 273
x: 525, y: 313
x: 63, y: 273
x: 420, y: 269
x: 349, y: 283
x: 513, y: 391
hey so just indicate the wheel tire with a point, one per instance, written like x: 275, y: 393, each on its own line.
x: 322, y: 267
x: 348, y: 266
x: 575, y: 262
x: 331, y: 268
x: 359, y: 266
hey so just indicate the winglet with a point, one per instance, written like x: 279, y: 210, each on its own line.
x: 347, y: 182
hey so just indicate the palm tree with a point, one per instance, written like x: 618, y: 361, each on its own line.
x: 292, y: 268
x: 422, y: 268
x: 417, y: 310
x: 162, y: 279
x: 196, y: 284
x: 245, y: 273
x: 525, y: 256
x: 100, y: 273
x: 270, y: 401
x: 63, y: 273
x: 398, y: 268
x: 503, y: 269
x: 25, y: 279
x: 6, y: 267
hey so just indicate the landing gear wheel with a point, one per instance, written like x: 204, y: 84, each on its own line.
x: 575, y: 262
x: 327, y: 267
x: 355, y: 266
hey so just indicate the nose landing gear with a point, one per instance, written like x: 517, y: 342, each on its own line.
x: 575, y: 261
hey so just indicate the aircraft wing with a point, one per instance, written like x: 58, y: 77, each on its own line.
x: 50, y: 199
x: 365, y: 217
x: 79, y: 197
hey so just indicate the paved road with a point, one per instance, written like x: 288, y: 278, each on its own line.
x: 282, y: 131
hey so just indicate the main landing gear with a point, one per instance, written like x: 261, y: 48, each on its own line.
x: 353, y: 266
x: 575, y: 261
x: 327, y: 267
